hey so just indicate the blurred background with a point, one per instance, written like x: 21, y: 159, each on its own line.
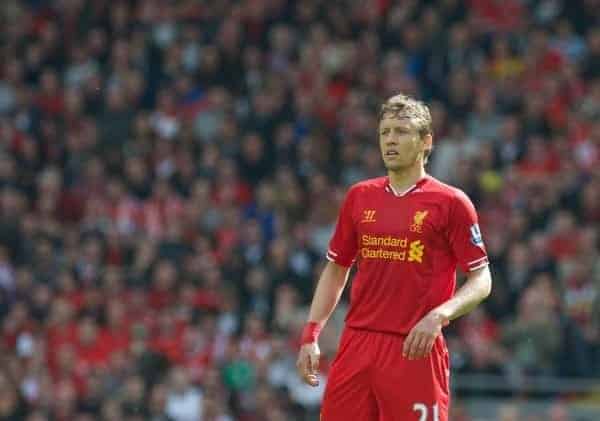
x: 171, y: 170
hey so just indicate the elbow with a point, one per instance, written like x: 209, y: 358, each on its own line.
x: 486, y: 288
x: 482, y: 283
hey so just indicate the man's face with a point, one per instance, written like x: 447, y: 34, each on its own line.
x: 400, y: 143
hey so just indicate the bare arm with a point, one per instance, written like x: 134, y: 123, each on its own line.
x: 476, y: 289
x: 327, y: 294
x: 421, y: 338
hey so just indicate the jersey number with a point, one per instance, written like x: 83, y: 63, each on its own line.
x: 424, y: 411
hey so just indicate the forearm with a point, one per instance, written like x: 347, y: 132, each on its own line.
x: 476, y: 289
x: 328, y: 292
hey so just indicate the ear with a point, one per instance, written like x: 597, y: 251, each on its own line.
x: 427, y: 142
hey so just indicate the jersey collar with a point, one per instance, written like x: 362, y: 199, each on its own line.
x: 415, y: 187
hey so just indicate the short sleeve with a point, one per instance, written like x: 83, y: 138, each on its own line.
x: 343, y: 245
x: 464, y: 235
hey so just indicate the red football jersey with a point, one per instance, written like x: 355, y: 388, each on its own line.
x: 406, y: 247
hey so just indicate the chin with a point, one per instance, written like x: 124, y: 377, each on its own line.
x: 395, y: 167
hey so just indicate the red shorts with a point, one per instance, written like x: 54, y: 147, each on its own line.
x: 370, y: 380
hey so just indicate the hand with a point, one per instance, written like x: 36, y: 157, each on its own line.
x: 422, y: 336
x: 308, y: 363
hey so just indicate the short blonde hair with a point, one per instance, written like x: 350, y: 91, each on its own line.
x: 405, y: 107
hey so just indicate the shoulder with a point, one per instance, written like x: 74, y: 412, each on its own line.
x: 446, y: 193
x: 368, y: 185
x: 453, y: 201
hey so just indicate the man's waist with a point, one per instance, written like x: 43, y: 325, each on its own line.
x: 383, y: 331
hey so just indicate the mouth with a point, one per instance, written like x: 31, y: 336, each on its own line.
x: 391, y: 153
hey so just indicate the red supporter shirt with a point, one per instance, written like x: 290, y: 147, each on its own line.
x: 406, y: 247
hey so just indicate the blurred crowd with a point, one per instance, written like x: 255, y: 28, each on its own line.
x: 171, y: 170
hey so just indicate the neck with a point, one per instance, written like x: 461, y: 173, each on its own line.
x: 405, y: 178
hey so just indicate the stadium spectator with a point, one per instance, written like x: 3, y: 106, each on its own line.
x: 170, y: 172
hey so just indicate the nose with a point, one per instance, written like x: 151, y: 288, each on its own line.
x: 389, y: 139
